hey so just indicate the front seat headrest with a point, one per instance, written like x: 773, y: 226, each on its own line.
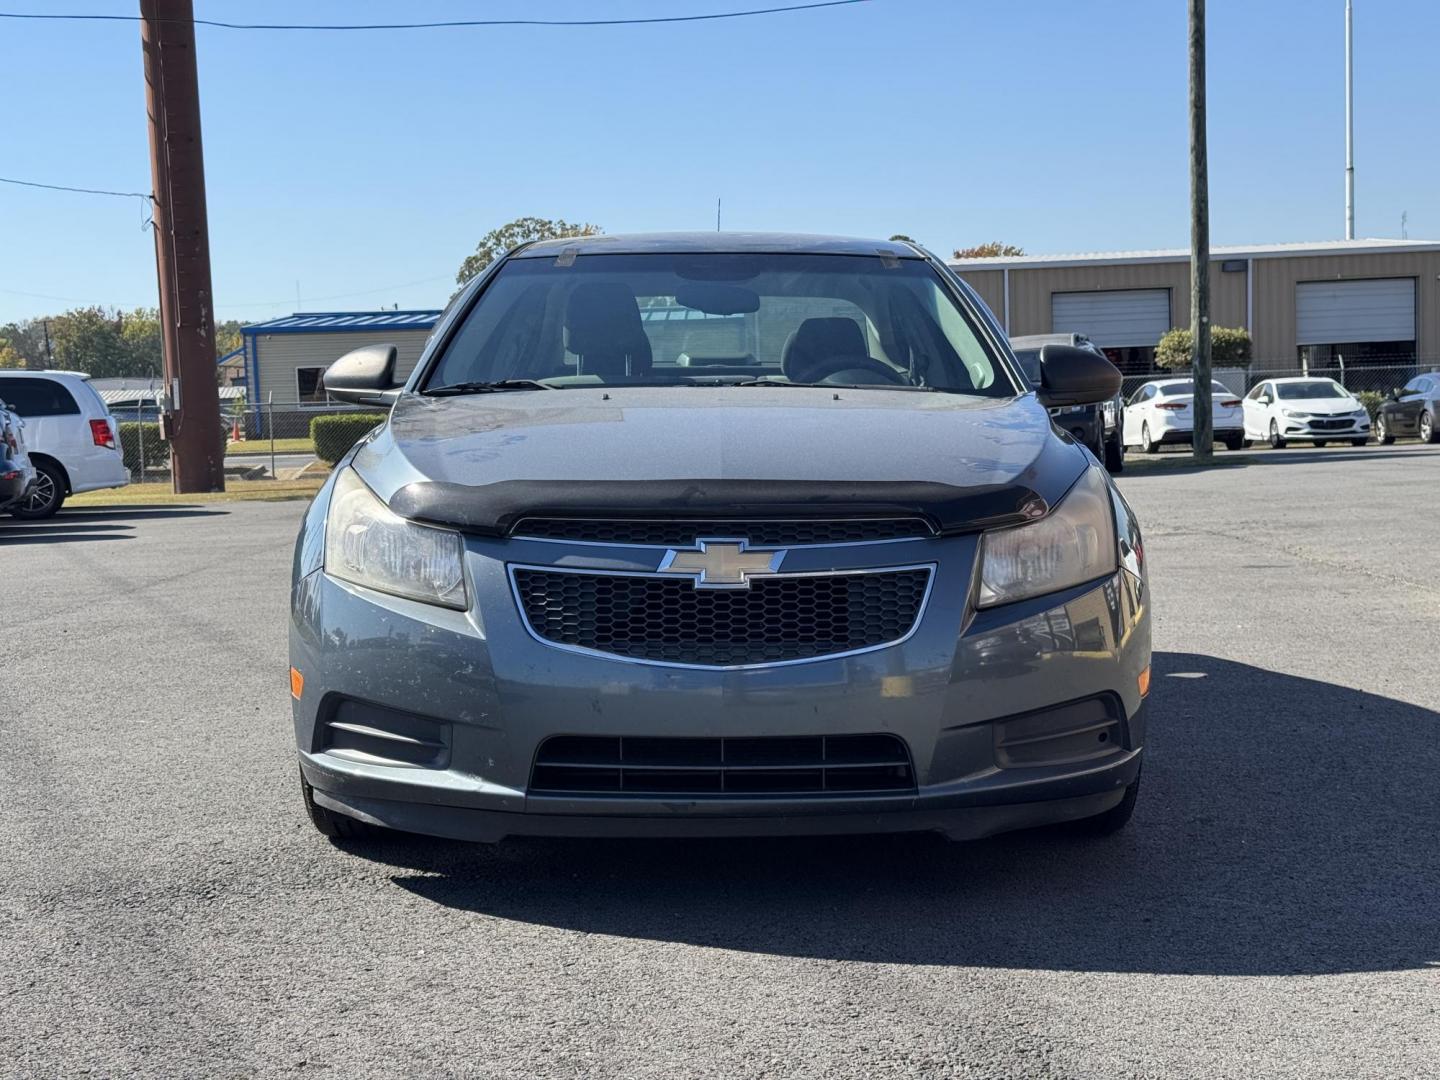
x: 818, y: 340
x: 603, y: 328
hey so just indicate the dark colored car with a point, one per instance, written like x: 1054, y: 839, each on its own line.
x: 718, y: 534
x: 1413, y: 411
x: 1096, y: 425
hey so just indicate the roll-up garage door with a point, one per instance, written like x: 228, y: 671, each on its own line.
x: 1333, y: 312
x: 1113, y: 318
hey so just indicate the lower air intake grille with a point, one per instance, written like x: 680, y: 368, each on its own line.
x: 721, y: 767
x: 669, y: 620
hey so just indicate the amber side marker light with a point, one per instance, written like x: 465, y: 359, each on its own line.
x: 297, y: 683
x: 1143, y: 681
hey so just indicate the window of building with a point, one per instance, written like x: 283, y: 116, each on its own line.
x: 309, y: 387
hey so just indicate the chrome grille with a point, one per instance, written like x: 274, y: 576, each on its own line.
x: 779, y: 619
x: 683, y: 533
x: 721, y: 767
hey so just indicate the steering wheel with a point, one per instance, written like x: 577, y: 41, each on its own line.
x: 854, y: 369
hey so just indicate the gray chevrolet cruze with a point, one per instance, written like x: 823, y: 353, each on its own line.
x: 718, y: 534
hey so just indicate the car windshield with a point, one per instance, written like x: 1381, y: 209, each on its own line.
x: 716, y: 319
x: 1315, y: 388
x: 1188, y: 387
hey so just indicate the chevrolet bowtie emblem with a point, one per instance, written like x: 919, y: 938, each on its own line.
x: 721, y: 564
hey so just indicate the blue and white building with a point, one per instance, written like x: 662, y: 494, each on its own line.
x: 286, y: 356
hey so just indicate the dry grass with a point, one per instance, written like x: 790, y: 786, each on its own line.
x: 235, y: 491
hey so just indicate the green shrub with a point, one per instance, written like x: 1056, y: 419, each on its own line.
x: 334, y: 435
x: 135, y: 435
x: 1372, y: 400
x: 1230, y: 347
x: 138, y: 434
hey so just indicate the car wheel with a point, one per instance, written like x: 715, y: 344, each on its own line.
x: 1427, y: 428
x: 1112, y: 820
x: 1245, y: 444
x: 1114, y: 456
x: 1319, y: 443
x: 1359, y: 442
x: 1146, y: 443
x: 1382, y: 431
x: 1277, y: 441
x: 1234, y: 443
x: 45, y: 497
x: 336, y: 826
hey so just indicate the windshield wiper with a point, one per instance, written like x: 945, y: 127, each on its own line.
x: 485, y: 387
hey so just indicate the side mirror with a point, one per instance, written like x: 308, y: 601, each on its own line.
x: 1395, y: 394
x: 364, y: 376
x: 1071, y: 376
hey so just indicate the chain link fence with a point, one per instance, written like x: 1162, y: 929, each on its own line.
x: 1359, y: 379
x: 270, y: 440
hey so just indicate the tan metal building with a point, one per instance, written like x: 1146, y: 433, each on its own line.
x: 1366, y: 302
x: 285, y: 357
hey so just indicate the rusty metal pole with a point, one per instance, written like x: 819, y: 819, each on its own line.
x: 182, y: 246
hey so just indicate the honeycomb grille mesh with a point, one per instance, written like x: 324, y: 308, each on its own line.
x: 670, y: 620
x: 681, y: 533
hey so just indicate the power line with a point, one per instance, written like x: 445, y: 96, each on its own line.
x: 81, y: 190
x: 448, y: 23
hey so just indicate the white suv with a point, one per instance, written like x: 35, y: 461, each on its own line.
x: 73, y: 441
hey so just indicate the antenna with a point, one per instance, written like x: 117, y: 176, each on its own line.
x: 1404, y: 220
x: 717, y: 213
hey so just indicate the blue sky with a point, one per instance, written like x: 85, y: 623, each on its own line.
x: 365, y: 166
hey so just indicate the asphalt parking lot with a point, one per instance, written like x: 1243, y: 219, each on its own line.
x: 1273, y: 910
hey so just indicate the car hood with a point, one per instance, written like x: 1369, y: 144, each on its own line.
x: 481, y: 462
x: 1321, y: 406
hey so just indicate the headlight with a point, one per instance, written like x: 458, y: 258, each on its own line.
x: 1361, y: 412
x: 1074, y: 543
x: 367, y: 544
x: 1293, y: 415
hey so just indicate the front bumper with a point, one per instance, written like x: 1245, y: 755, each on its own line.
x: 1307, y: 429
x: 488, y: 694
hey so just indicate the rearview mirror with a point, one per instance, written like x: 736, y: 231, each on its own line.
x: 1071, y: 376
x: 364, y: 376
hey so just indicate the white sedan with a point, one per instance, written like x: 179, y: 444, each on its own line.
x: 1311, y: 410
x: 1160, y: 412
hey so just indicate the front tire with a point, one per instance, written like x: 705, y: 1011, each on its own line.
x: 1359, y: 442
x: 1114, y: 456
x: 1277, y: 441
x: 1427, y: 428
x: 1234, y: 442
x: 1320, y: 443
x: 328, y: 823
x: 1382, y: 431
x: 46, y: 495
x: 1112, y: 820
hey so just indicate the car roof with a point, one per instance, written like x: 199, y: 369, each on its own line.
x: 46, y: 371
x: 1301, y: 378
x: 729, y: 243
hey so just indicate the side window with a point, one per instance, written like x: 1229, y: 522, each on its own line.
x: 308, y: 387
x: 1255, y: 392
x: 1412, y: 387
x: 39, y: 397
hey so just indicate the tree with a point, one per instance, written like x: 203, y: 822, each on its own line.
x: 901, y: 238
x: 498, y: 241
x: 992, y: 250
x: 9, y: 358
x: 1230, y: 346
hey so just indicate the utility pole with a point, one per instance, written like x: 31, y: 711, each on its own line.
x: 1203, y: 437
x: 191, y: 420
x: 1349, y: 124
